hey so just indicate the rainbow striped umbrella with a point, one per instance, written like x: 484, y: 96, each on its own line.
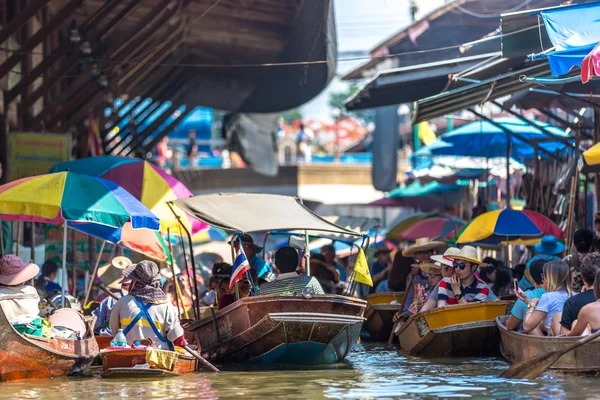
x: 145, y: 181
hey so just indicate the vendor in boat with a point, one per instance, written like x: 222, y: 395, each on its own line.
x: 570, y: 314
x: 549, y: 249
x: 289, y: 281
x: 464, y: 286
x: 45, y: 283
x: 582, y: 245
x: 111, y: 276
x: 328, y: 251
x: 145, y: 312
x: 382, y: 266
x: 589, y: 316
x: 517, y: 314
x: 257, y: 263
x: 17, y: 299
x: 538, y: 320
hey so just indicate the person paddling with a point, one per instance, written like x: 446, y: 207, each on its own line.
x: 145, y: 312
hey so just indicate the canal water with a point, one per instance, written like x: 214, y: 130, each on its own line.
x: 372, y: 371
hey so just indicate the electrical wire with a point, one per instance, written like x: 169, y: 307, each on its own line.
x: 488, y: 16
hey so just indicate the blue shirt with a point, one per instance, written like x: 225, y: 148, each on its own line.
x: 524, y: 284
x: 259, y: 265
x: 341, y: 270
x: 551, y: 303
x: 520, y: 308
x: 383, y: 287
x: 52, y: 287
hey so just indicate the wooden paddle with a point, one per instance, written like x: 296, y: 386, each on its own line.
x: 532, y: 368
x: 107, y: 291
x: 392, y: 334
x: 201, y: 359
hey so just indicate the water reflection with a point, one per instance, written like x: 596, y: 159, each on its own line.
x: 375, y: 372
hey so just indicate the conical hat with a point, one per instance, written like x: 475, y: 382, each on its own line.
x: 111, y: 274
x: 469, y: 254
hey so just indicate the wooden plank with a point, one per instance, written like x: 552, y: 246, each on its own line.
x: 21, y: 19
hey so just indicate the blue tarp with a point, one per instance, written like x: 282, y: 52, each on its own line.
x: 574, y: 31
x: 483, y: 139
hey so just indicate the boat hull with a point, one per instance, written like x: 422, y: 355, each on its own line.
x: 380, y: 314
x: 122, y: 362
x: 24, y: 357
x: 517, y: 347
x: 454, y: 331
x: 282, y: 330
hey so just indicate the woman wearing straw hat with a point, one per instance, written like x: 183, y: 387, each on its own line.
x: 464, y: 286
x: 111, y: 276
x: 16, y: 298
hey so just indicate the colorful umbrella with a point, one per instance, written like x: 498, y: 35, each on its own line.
x: 509, y: 225
x: 145, y: 181
x: 432, y: 228
x: 67, y: 196
x: 212, y: 234
x: 403, y: 225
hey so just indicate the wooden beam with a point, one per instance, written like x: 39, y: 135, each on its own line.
x: 40, y: 35
x: 21, y: 19
x: 112, y: 25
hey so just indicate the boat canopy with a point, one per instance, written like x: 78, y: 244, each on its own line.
x: 251, y: 212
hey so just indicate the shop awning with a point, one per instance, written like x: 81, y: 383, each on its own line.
x: 408, y: 84
x: 477, y: 93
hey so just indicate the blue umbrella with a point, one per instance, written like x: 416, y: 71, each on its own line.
x: 484, y: 139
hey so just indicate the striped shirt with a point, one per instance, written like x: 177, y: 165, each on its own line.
x: 478, y: 290
x: 291, y: 286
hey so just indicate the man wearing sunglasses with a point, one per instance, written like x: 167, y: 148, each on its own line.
x: 464, y: 286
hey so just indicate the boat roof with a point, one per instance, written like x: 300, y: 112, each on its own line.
x: 253, y: 212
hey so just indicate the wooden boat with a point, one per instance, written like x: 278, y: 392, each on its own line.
x: 282, y: 329
x: 104, y: 341
x: 380, y: 313
x: 516, y: 347
x: 31, y: 357
x: 454, y: 331
x: 126, y: 363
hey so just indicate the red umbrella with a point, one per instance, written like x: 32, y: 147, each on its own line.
x: 432, y: 228
x: 590, y: 66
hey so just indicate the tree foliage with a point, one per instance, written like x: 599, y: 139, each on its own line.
x: 337, y: 99
x: 292, y: 115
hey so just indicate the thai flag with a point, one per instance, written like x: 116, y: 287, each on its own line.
x: 240, y: 266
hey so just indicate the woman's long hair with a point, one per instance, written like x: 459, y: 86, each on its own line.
x: 597, y: 285
x: 400, y: 271
x: 557, y: 277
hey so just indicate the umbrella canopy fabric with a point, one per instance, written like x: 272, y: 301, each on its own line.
x: 406, y: 223
x: 210, y: 235
x: 509, y: 225
x: 432, y: 228
x: 590, y: 162
x: 144, y: 180
x: 484, y: 139
x: 68, y: 196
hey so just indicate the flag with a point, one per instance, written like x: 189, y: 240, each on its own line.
x: 240, y: 266
x: 426, y: 134
x: 361, y: 269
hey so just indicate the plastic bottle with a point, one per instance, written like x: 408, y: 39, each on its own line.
x: 119, y: 340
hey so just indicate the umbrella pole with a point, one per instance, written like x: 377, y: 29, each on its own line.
x: 178, y: 294
x: 93, y: 276
x: 19, y: 223
x: 74, y: 255
x: 306, y: 253
x: 1, y: 238
x: 63, y: 273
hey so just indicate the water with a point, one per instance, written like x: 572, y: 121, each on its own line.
x: 370, y: 372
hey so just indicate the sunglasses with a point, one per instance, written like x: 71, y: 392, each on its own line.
x: 434, y: 275
x: 461, y: 265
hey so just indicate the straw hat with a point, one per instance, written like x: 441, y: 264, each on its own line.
x: 469, y: 254
x: 111, y: 274
x: 423, y: 244
x: 447, y: 258
x: 14, y: 271
x: 429, y: 267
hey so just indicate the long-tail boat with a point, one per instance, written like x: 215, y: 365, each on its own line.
x: 517, y: 347
x: 454, y: 331
x: 124, y: 363
x: 290, y: 329
x: 381, y: 308
x: 30, y: 357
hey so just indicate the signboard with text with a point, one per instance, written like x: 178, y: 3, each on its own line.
x: 32, y: 154
x: 54, y: 247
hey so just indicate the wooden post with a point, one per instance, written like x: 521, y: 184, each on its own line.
x: 19, y: 223
x: 93, y: 275
x: 33, y: 242
x: 178, y: 294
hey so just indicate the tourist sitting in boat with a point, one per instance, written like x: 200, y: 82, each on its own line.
x: 145, y: 312
x: 382, y: 266
x: 588, y: 269
x: 257, y: 263
x: 45, y: 283
x: 589, y: 316
x: 328, y: 252
x: 464, y: 286
x: 111, y: 276
x: 18, y: 299
x: 225, y: 296
x: 538, y: 319
x: 549, y: 249
x: 582, y: 244
x: 289, y: 281
x: 517, y: 314
x: 220, y: 271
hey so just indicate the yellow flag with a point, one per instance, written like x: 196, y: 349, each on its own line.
x: 426, y: 134
x: 361, y: 269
